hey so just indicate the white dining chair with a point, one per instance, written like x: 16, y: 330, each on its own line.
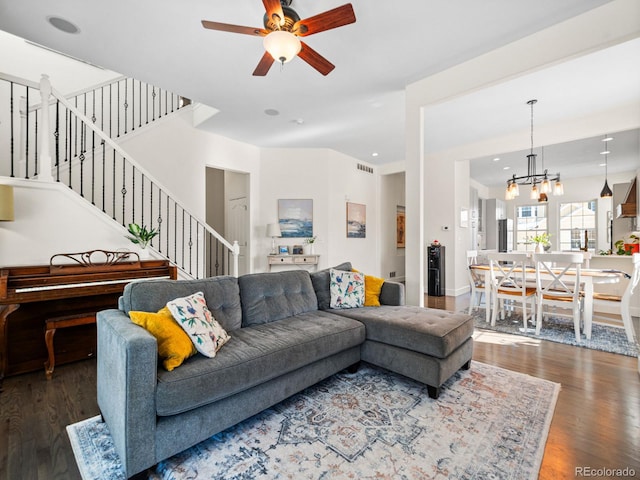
x: 509, y: 283
x: 558, y: 285
x: 476, y: 282
x: 623, y: 301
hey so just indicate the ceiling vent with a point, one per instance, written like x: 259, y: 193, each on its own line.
x: 365, y: 168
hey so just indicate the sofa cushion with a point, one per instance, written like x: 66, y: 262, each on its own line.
x: 321, y: 284
x: 372, y: 289
x: 221, y: 294
x: 426, y: 330
x: 267, y: 297
x: 347, y: 289
x: 195, y: 318
x: 255, y: 355
x: 174, y: 345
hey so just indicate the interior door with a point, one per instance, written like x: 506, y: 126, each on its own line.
x: 238, y: 229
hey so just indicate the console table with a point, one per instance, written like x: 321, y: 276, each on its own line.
x: 296, y: 261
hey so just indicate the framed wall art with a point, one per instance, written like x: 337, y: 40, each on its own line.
x: 295, y: 218
x: 400, y: 222
x: 356, y: 220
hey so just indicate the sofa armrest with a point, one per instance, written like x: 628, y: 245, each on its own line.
x: 392, y: 293
x: 127, y: 376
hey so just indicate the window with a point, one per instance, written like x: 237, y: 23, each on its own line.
x: 531, y: 220
x: 575, y: 219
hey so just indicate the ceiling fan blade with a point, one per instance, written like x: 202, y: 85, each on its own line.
x: 335, y: 18
x: 227, y: 27
x: 316, y: 60
x: 274, y: 11
x: 264, y: 65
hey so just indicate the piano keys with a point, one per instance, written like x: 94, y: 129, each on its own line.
x: 74, y: 283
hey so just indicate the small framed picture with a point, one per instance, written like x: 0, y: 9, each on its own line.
x: 283, y: 250
x: 296, y: 250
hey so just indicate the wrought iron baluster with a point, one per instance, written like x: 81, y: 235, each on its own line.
x: 140, y: 102
x: 124, y: 188
x: 35, y: 157
x: 75, y: 133
x: 133, y: 194
x: 125, y: 105
x: 104, y: 176
x: 93, y: 151
x: 190, y: 244
x: 153, y: 103
x: 142, y: 203
x: 56, y: 135
x: 26, y: 172
x: 11, y: 134
x: 113, y: 211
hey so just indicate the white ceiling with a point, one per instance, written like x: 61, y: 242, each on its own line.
x: 357, y: 109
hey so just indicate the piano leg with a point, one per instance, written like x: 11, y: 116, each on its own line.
x: 5, y: 311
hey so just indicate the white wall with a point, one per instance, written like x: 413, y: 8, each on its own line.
x: 50, y: 219
x: 330, y: 179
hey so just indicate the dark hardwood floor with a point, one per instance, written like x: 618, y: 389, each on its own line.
x: 596, y: 423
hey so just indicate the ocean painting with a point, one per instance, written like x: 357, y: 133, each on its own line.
x: 356, y: 220
x: 295, y: 218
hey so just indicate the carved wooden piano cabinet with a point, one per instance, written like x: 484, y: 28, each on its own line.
x: 37, y: 300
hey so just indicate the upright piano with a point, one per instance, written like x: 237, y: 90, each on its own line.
x: 74, y: 283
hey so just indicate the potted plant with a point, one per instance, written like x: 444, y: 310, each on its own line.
x: 542, y: 242
x: 140, y: 236
x: 628, y: 247
x: 308, y: 244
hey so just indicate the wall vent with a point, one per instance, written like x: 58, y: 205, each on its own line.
x: 365, y: 168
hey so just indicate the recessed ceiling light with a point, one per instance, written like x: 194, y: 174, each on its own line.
x: 506, y: 168
x: 272, y: 112
x: 607, y: 139
x: 374, y: 154
x: 63, y: 25
x: 606, y: 152
x: 497, y: 159
x: 603, y: 164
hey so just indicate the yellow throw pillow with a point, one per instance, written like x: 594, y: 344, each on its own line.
x: 372, y: 289
x: 174, y: 345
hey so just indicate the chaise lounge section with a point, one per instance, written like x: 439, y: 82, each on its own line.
x: 284, y: 338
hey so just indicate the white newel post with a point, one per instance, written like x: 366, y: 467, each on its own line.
x: 236, y: 253
x: 45, y: 156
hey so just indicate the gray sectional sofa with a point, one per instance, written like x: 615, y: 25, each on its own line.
x: 284, y: 338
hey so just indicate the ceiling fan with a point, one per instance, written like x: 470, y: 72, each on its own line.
x: 283, y: 26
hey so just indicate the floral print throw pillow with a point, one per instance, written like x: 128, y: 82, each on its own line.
x: 196, y: 319
x: 347, y: 289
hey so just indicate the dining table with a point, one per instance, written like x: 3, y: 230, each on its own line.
x: 588, y: 277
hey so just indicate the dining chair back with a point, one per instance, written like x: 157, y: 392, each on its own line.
x: 624, y: 300
x: 476, y: 281
x: 558, y: 285
x: 509, y: 282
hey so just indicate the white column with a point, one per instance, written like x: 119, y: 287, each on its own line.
x: 44, y: 173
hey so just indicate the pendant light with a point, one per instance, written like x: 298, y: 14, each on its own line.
x: 532, y: 177
x: 606, y: 191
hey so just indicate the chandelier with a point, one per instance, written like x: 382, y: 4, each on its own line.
x: 540, y: 182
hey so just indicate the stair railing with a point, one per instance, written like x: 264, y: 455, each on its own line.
x: 100, y: 171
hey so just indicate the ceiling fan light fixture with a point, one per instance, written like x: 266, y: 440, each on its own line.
x: 282, y: 45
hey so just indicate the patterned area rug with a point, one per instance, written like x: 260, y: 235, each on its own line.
x: 556, y: 329
x: 374, y: 424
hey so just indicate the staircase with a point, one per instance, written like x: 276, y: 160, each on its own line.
x: 47, y: 137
